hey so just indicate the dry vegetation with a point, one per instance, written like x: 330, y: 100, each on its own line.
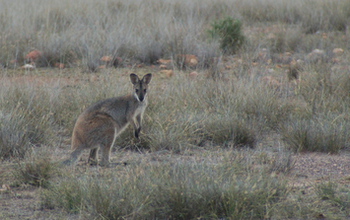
x: 248, y: 115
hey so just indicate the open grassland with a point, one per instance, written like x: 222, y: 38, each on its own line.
x: 259, y: 130
x: 80, y: 33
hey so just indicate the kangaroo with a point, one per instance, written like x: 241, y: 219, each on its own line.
x: 100, y: 124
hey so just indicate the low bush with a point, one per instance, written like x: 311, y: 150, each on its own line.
x: 230, y: 34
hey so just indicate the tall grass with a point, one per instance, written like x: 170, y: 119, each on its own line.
x: 105, y: 28
x: 71, y: 32
x: 313, y: 16
x: 325, y: 127
x: 25, y: 114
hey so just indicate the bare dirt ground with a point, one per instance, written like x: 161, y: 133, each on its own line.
x: 312, y: 168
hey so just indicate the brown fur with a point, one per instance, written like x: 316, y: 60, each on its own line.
x: 100, y: 124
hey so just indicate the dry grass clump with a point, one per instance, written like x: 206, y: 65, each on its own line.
x: 227, y: 188
x: 25, y: 119
x: 37, y: 170
x: 229, y: 131
x: 305, y: 135
x: 18, y: 135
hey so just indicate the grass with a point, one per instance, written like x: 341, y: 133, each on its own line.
x: 222, y: 118
x: 114, y: 28
x: 333, y: 194
x: 233, y: 114
x: 37, y: 171
x: 217, y: 146
x: 316, y: 135
x: 25, y: 120
x: 181, y: 190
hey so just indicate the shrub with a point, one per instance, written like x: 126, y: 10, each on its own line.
x: 229, y: 32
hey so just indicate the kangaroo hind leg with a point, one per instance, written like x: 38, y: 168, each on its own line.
x: 93, y: 157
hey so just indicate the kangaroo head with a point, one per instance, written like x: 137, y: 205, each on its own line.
x: 140, y: 86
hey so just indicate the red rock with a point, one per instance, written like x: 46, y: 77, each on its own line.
x: 193, y: 75
x: 33, y: 55
x: 106, y: 59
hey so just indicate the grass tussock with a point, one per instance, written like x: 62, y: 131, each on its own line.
x: 212, y: 112
x: 25, y: 120
x: 37, y: 170
x: 229, y: 131
x: 181, y: 190
x: 305, y: 135
x: 324, y: 128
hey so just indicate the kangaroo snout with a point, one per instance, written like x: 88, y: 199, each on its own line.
x: 140, y: 97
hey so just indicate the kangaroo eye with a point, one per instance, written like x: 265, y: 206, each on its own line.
x: 144, y: 90
x: 137, y: 90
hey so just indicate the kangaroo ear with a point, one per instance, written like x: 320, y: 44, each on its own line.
x: 147, y: 78
x: 134, y: 78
